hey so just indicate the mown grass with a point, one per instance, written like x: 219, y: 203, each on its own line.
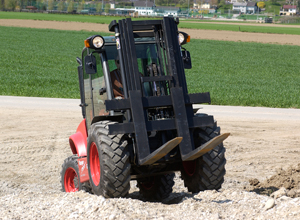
x: 243, y: 28
x: 248, y: 74
x: 41, y: 63
x: 63, y: 17
x: 185, y: 24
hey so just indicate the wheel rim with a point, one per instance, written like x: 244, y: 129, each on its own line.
x: 71, y: 180
x: 189, y: 167
x: 94, y: 164
x: 149, y: 184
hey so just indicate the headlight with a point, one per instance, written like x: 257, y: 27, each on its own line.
x: 183, y: 38
x: 98, y: 42
x: 180, y: 38
x: 94, y: 42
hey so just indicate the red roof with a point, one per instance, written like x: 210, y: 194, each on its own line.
x: 289, y: 6
x: 31, y: 7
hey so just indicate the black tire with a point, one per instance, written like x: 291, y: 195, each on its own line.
x: 108, y: 162
x: 70, y: 179
x: 206, y: 172
x: 156, y: 188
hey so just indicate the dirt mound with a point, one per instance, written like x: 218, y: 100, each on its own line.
x: 288, y: 179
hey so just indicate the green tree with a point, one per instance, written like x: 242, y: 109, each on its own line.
x: 39, y: 4
x: 70, y: 6
x: 184, y: 3
x: 99, y: 7
x: 223, y: 5
x: 60, y: 6
x: 24, y: 3
x: 10, y: 4
x: 107, y: 7
x: 80, y: 6
x: 161, y: 2
x: 261, y: 4
x: 1, y: 4
x: 50, y: 5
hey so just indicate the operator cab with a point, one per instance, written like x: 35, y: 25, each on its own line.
x: 100, y: 71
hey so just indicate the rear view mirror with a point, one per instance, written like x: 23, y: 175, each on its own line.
x: 90, y: 64
x: 187, y: 62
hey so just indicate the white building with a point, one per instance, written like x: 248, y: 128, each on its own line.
x: 205, y: 4
x: 166, y: 11
x: 242, y: 7
x: 251, y: 8
x: 288, y: 10
x: 144, y: 8
x: 246, y: 8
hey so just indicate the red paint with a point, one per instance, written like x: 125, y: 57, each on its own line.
x: 83, y: 169
x: 94, y: 164
x: 69, y: 177
x: 78, y: 141
x: 148, y: 185
x: 189, y: 167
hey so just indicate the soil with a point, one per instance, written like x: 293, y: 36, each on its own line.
x: 195, y: 34
x: 262, y: 155
x: 288, y: 179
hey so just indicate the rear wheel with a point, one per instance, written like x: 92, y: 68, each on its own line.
x: 70, y: 181
x: 206, y: 172
x: 157, y: 187
x: 108, y: 162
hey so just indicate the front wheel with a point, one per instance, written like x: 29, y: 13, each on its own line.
x: 108, y: 162
x: 70, y: 181
x: 206, y: 172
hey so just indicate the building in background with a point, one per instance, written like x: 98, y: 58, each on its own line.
x: 289, y: 10
x: 245, y: 7
x: 144, y: 8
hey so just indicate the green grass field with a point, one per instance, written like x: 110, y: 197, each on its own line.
x: 184, y: 24
x: 248, y: 74
x: 41, y: 63
x: 58, y: 17
x: 242, y: 28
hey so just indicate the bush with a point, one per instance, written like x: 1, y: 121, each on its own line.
x: 70, y: 6
x: 203, y: 11
x: 261, y: 4
x: 60, y: 6
x: 99, y: 7
x: 80, y: 6
x: 10, y: 4
x: 50, y: 5
x: 107, y: 7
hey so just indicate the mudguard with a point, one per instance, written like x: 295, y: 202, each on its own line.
x: 78, y: 141
x: 83, y: 169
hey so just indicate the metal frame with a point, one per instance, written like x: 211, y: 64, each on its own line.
x: 166, y: 38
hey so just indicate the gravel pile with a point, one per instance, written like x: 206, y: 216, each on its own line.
x: 34, y: 144
x: 231, y: 202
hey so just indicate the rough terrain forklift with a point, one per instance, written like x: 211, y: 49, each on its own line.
x: 138, y: 119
